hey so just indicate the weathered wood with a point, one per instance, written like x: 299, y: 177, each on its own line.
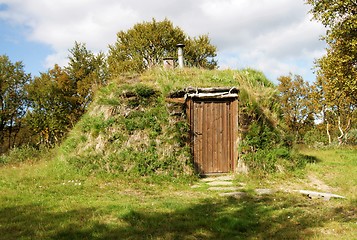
x: 212, y: 90
x: 212, y: 95
x: 175, y: 100
x: 235, y: 127
x: 213, y: 119
x: 214, y: 131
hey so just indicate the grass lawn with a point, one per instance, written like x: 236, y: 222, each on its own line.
x: 48, y: 200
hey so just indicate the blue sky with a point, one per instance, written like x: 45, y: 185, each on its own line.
x: 14, y: 44
x: 274, y: 36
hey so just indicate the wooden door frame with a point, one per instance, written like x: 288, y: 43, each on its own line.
x: 219, y: 97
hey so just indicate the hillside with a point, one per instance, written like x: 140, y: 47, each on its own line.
x: 132, y: 128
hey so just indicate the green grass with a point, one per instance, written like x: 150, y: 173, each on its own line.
x: 48, y: 199
x: 337, y: 167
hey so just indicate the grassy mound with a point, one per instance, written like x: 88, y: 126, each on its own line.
x: 131, y: 128
x: 128, y: 129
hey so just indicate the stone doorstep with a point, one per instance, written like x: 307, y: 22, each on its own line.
x: 264, y: 191
x: 225, y: 188
x: 233, y: 194
x: 220, y: 178
x: 219, y: 183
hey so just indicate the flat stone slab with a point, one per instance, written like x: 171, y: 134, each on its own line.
x: 219, y: 183
x: 322, y: 195
x: 264, y: 191
x: 220, y: 178
x: 233, y: 194
x: 224, y: 188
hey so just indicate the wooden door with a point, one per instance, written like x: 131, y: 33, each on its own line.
x: 214, y: 127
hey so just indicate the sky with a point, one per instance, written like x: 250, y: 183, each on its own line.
x: 273, y: 36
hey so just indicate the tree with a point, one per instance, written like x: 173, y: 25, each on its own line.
x: 337, y: 70
x: 338, y: 110
x: 295, y: 103
x: 87, y: 72
x: 146, y: 44
x: 339, y: 66
x: 199, y: 52
x: 13, y: 101
x: 60, y: 96
x: 53, y: 106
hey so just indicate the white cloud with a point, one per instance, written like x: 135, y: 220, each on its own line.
x: 59, y: 24
x: 275, y: 36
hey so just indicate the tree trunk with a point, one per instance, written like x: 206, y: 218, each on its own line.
x: 328, y: 132
x: 343, y: 131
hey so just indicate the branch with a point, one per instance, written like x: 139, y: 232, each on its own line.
x: 343, y: 131
x: 348, y: 127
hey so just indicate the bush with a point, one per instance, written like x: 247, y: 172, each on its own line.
x: 315, y: 137
x: 352, y: 137
x: 275, y: 160
x: 23, y: 154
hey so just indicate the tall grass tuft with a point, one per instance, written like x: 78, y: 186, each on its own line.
x: 23, y: 154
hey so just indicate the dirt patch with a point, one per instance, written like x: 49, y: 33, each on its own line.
x: 318, y: 184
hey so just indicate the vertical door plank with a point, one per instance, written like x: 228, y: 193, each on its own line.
x: 234, y: 133
x: 198, y: 134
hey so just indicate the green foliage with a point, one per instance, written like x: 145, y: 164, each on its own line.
x: 266, y: 149
x: 146, y: 44
x: 315, y: 137
x: 143, y: 46
x: 60, y: 96
x: 276, y: 159
x: 13, y: 100
x: 336, y: 87
x: 53, y: 110
x: 87, y: 72
x: 296, y: 104
x: 200, y: 53
x: 261, y: 136
x: 352, y: 137
x: 25, y: 153
x: 338, y: 66
x: 141, y: 120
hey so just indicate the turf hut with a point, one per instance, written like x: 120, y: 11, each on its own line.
x: 212, y: 115
x: 153, y: 124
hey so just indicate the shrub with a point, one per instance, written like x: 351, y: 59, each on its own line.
x: 352, y: 137
x: 24, y: 153
x: 274, y: 160
x: 315, y: 137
